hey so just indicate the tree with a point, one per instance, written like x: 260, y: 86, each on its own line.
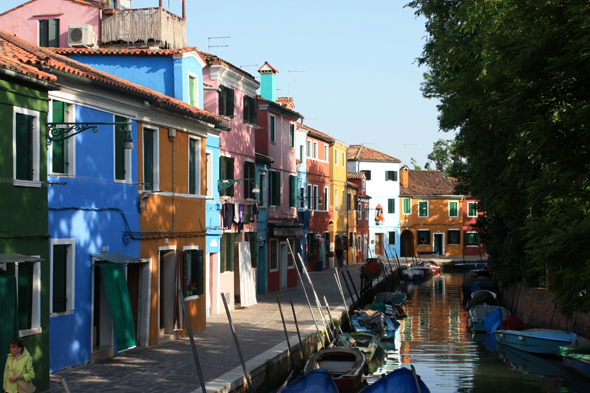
x: 512, y: 77
x: 414, y: 162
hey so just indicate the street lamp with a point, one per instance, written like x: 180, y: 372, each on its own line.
x: 58, y: 132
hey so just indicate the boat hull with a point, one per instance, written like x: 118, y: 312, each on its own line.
x: 401, y: 380
x: 314, y: 381
x: 367, y: 343
x: 577, y: 360
x: 478, y: 313
x: 346, y: 365
x: 545, y: 341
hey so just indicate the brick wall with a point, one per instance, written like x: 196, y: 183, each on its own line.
x: 535, y: 306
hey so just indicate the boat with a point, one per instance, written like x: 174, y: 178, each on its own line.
x: 478, y: 313
x: 545, y: 341
x: 412, y: 274
x: 315, y: 381
x: 529, y: 363
x: 395, y: 298
x: 346, y: 366
x: 484, y: 283
x: 367, y: 342
x: 482, y: 297
x: 401, y: 380
x: 576, y: 359
x: 480, y: 273
x: 364, y: 321
x: 471, y: 266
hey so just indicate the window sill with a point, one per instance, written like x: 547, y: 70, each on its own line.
x: 226, y: 117
x: 30, y: 332
x: 59, y: 314
x: 423, y: 245
x: 191, y: 297
x: 27, y: 183
x: 119, y: 181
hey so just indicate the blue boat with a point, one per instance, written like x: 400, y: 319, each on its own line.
x: 577, y: 360
x: 315, y: 381
x: 377, y: 323
x: 545, y: 341
x: 401, y: 380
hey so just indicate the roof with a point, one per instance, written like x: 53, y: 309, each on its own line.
x: 279, y: 107
x: 267, y: 69
x: 352, y: 185
x: 17, y: 258
x: 9, y: 61
x: 355, y: 175
x: 215, y: 60
x: 85, y: 2
x: 428, y: 183
x: 115, y: 257
x: 287, y: 102
x: 364, y: 153
x: 33, y: 56
x: 125, y: 52
x: 317, y: 134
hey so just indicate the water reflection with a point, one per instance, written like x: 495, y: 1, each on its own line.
x: 434, y: 338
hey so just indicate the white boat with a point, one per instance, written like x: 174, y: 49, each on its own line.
x: 545, y: 341
x: 478, y: 313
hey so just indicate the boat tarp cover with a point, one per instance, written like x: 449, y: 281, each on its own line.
x: 344, y: 340
x: 8, y: 310
x: 398, y: 381
x: 512, y: 323
x: 481, y: 297
x: 493, y: 320
x: 115, y: 286
x: 315, y: 381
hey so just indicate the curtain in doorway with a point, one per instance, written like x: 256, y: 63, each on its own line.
x: 8, y: 307
x: 247, y: 288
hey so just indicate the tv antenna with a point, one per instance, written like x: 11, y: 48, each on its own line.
x: 249, y: 65
x: 289, y: 85
x: 209, y: 46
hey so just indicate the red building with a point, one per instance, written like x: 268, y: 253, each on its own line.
x: 362, y: 215
x: 472, y: 244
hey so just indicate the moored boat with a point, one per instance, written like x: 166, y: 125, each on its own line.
x: 484, y: 283
x: 367, y: 342
x: 545, y: 341
x: 395, y: 298
x: 577, y: 359
x: 478, y: 313
x: 401, y: 380
x: 471, y: 266
x: 412, y: 274
x: 530, y: 363
x: 375, y: 323
x: 314, y: 381
x: 346, y: 366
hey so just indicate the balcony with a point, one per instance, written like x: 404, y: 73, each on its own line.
x: 141, y: 28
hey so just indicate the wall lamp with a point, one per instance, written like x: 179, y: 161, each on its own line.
x: 227, y: 183
x: 58, y: 132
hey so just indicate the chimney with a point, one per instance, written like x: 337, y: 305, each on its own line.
x: 403, y: 176
x: 268, y: 82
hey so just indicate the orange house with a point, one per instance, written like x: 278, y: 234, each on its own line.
x: 431, y: 214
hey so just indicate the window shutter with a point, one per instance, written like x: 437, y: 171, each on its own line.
x: 247, y: 109
x: 53, y: 33
x: 148, y: 159
x: 119, y: 152
x: 386, y: 175
x: 59, y: 149
x: 24, y: 147
x: 43, y: 33
x: 394, y: 175
x: 230, y: 244
x: 230, y: 174
x: 276, y: 191
x: 59, y: 277
x: 223, y: 253
x: 293, y: 191
x: 191, y: 90
x: 230, y: 102
x: 199, y: 268
x: 221, y: 100
x: 25, y: 295
x: 391, y: 205
x: 453, y: 212
x: 192, y: 184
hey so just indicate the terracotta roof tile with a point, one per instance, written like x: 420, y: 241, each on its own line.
x: 287, y: 102
x: 48, y: 60
x: 266, y: 63
x: 124, y: 51
x: 96, y: 4
x: 316, y: 133
x: 355, y: 175
x: 428, y: 183
x: 364, y: 153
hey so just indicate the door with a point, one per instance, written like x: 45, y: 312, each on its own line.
x: 407, y: 244
x: 167, y: 277
x: 103, y: 323
x: 139, y: 284
x: 439, y: 244
x: 284, y: 255
x: 378, y: 244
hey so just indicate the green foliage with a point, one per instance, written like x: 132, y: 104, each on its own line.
x: 512, y: 78
x: 414, y: 163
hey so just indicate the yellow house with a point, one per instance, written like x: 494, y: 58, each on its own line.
x: 338, y: 191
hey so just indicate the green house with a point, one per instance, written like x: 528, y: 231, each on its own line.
x: 24, y: 250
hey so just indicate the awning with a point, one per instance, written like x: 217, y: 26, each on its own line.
x: 17, y: 258
x: 116, y: 257
x: 287, y: 232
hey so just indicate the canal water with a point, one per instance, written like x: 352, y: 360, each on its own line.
x: 435, y: 340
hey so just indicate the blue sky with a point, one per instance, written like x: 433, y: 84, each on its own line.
x: 361, y: 83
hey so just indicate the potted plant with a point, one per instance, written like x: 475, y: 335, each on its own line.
x: 329, y: 254
x: 191, y: 288
x: 371, y: 270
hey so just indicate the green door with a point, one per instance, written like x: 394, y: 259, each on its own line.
x: 438, y: 243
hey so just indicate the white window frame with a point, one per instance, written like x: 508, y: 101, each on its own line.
x: 476, y: 212
x: 465, y: 243
x: 292, y: 135
x: 198, y: 166
x: 270, y: 244
x: 194, y: 78
x: 301, y: 197
x: 209, y: 164
x: 316, y: 198
x: 156, y: 158
x: 128, y: 155
x: 449, y: 207
x: 70, y: 279
x: 262, y: 202
x: 335, y: 156
x: 188, y: 248
x: 326, y: 198
x: 367, y: 212
x: 308, y: 148
x: 326, y: 153
x: 359, y: 209
x: 427, y: 209
x: 36, y: 149
x: 290, y: 258
x: 301, y: 151
x: 309, y: 196
x: 36, y: 312
x: 430, y: 239
x: 70, y: 141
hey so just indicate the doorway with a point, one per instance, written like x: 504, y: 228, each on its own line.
x: 167, y: 277
x: 283, y: 268
x: 102, y: 329
x: 379, y: 244
x: 139, y: 282
x: 407, y: 244
x: 439, y: 244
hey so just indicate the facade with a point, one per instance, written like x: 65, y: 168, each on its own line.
x: 362, y: 215
x: 338, y: 194
x: 275, y: 138
x: 432, y: 216
x: 381, y: 173
x: 472, y: 244
x: 351, y: 221
x: 24, y: 255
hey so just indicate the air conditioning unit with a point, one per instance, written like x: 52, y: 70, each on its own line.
x: 81, y: 36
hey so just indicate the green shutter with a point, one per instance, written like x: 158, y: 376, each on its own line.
x: 221, y: 100
x: 230, y: 102
x: 222, y: 254
x: 191, y: 90
x: 453, y: 209
x: 247, y: 109
x: 60, y: 276
x: 221, y: 174
x: 391, y: 205
x: 8, y: 309
x: 277, y: 189
x: 423, y: 209
x: 192, y: 169
x: 229, y: 167
x: 24, y: 147
x: 230, y: 247
x: 25, y: 295
x: 407, y: 208
x: 119, y: 151
x: 394, y: 175
x: 293, y: 191
x: 272, y: 129
x: 43, y: 33
x: 117, y: 292
x: 472, y: 210
x: 59, y: 148
x: 148, y: 159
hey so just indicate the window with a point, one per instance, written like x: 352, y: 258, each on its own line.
x: 335, y: 157
x: 423, y: 209
x: 26, y: 161
x: 290, y: 258
x: 49, y: 33
x: 302, y: 197
x: 343, y: 160
x: 226, y: 101
x: 62, y: 275
x: 250, y: 237
x: 194, y: 271
x: 336, y: 201
x: 272, y: 128
x: 311, y: 247
x: 309, y: 196
x: 194, y: 167
x: 472, y: 239
x: 122, y: 156
x: 250, y: 110
x: 471, y: 209
x: 326, y: 193
x: 301, y: 153
x: 291, y: 135
x: 407, y: 208
x: 325, y: 152
x: 150, y: 159
x: 274, y: 255
x: 453, y: 237
x: 61, y: 151
x: 316, y: 198
x: 226, y: 172
x: 367, y: 211
x: 390, y: 175
x: 227, y: 252
x: 262, y: 196
x: 391, y: 238
x: 453, y: 209
x: 308, y: 149
x: 423, y: 237
x: 193, y: 89
x: 391, y: 206
x: 249, y: 173
x: 209, y: 174
x: 367, y: 174
x: 292, y: 191
x: 359, y: 210
x: 28, y: 291
x: 349, y: 202
x: 343, y: 202
x: 315, y: 150
x: 275, y: 188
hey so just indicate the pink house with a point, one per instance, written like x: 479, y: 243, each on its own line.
x: 46, y: 22
x: 276, y: 138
